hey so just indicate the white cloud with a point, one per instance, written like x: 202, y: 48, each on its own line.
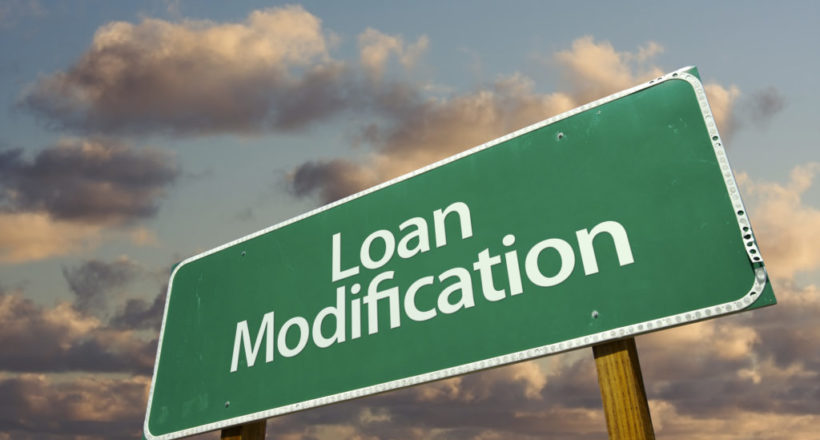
x: 35, y: 235
x: 272, y: 70
x: 787, y: 229
x: 722, y: 101
x: 376, y: 47
x: 595, y: 69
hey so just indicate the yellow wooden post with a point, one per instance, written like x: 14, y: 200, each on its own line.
x: 622, y: 391
x: 248, y: 431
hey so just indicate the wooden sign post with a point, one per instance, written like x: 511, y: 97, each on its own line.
x: 622, y: 391
x: 248, y: 431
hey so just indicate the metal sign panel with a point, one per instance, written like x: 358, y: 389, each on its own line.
x: 617, y: 218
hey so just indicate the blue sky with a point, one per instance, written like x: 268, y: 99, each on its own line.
x: 85, y: 250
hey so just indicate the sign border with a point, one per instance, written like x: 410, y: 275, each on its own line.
x: 747, y: 299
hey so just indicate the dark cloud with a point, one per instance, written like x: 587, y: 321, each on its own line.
x: 138, y: 314
x: 756, y: 109
x: 762, y: 105
x: 788, y: 333
x: 764, y: 361
x: 320, y: 93
x: 416, y: 130
x: 97, y: 181
x: 269, y: 72
x: 92, y: 280
x: 43, y: 407
x: 34, y: 338
x: 332, y: 179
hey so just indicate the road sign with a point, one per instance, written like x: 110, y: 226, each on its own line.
x: 614, y: 219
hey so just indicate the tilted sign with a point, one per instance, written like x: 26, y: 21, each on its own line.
x: 616, y: 218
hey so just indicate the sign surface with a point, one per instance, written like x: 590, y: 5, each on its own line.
x: 614, y: 219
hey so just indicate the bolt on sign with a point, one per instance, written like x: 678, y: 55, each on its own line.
x: 616, y: 218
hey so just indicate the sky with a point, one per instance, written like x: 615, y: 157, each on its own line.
x: 134, y: 135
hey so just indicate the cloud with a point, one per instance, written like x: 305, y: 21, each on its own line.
x: 64, y: 198
x: 789, y: 332
x: 139, y: 314
x: 731, y: 425
x: 332, y: 179
x: 34, y: 236
x: 787, y: 228
x: 416, y: 129
x: 376, y: 47
x: 34, y: 338
x: 37, y: 406
x: 271, y: 71
x: 422, y: 130
x: 722, y: 101
x: 763, y: 105
x: 142, y: 236
x: 595, y: 69
x: 733, y: 110
x: 92, y: 181
x: 764, y: 362
x: 94, y: 279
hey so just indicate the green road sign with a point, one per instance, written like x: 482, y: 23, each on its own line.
x: 617, y: 218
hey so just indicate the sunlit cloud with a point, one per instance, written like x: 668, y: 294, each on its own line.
x: 56, y: 406
x: 595, y: 69
x: 35, y: 236
x: 270, y: 71
x: 722, y: 100
x: 141, y: 236
x: 36, y: 338
x: 731, y: 425
x: 787, y: 228
x: 376, y: 48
